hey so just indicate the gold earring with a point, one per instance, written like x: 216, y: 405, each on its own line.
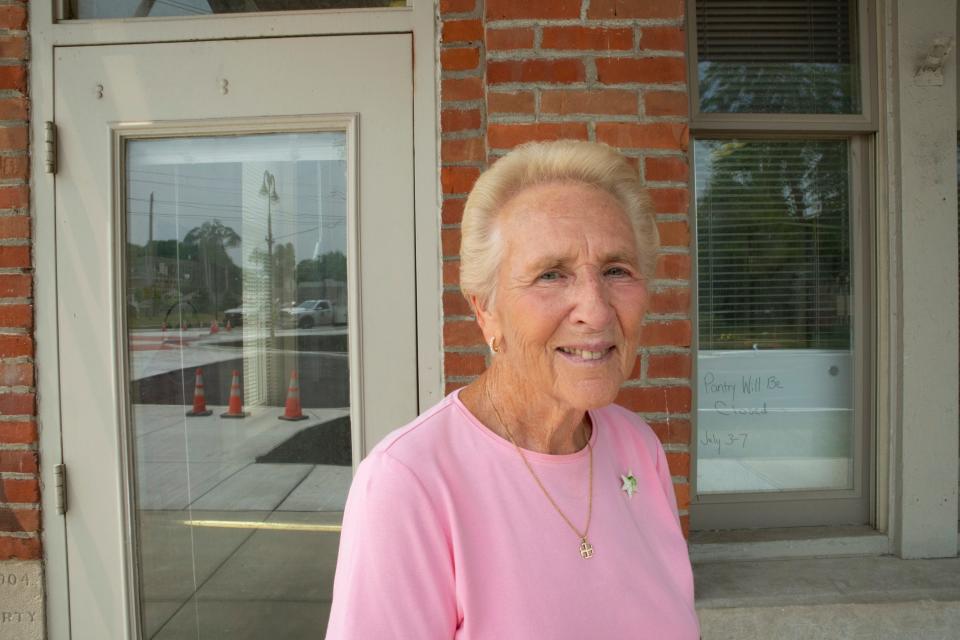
x: 493, y: 345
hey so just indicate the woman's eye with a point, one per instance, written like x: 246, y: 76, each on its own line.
x: 550, y: 275
x: 617, y: 272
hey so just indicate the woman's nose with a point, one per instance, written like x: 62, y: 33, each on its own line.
x: 591, y: 302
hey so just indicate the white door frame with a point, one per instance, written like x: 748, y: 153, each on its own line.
x: 45, y: 35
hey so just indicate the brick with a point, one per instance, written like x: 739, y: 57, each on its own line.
x: 554, y: 71
x: 665, y: 103
x: 657, y: 135
x: 679, y: 463
x: 668, y: 365
x: 14, y: 167
x: 455, y: 304
x: 14, y: 138
x: 457, y: 6
x: 672, y: 431
x: 19, y: 548
x: 622, y: 9
x: 14, y: 197
x: 671, y: 300
x: 13, y: 47
x: 14, y: 227
x: 635, y: 372
x: 19, y: 520
x: 451, y: 272
x: 674, y: 234
x: 13, y: 77
x: 509, y: 39
x: 463, y: 364
x: 18, y: 461
x: 461, y: 89
x: 462, y: 333
x: 587, y: 38
x: 673, y: 266
x: 14, y: 108
x: 14, y: 257
x: 17, y: 316
x: 657, y: 70
x: 459, y: 59
x: 452, y: 210
x: 669, y: 200
x: 459, y: 120
x: 458, y: 179
x: 594, y: 101
x: 17, y: 404
x: 666, y: 169
x: 18, y: 374
x: 463, y: 150
x: 519, y: 102
x: 461, y: 31
x: 450, y: 241
x: 13, y: 16
x: 15, y: 285
x: 685, y: 525
x: 14, y: 346
x: 18, y: 432
x: 682, y: 492
x: 450, y: 387
x: 663, y: 39
x: 19, y: 491
x: 507, y: 136
x: 533, y: 9
x: 672, y: 333
x: 655, y: 399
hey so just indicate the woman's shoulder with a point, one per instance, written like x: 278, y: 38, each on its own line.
x: 433, y: 432
x: 625, y: 424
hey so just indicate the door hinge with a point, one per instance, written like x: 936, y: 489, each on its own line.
x: 60, y: 474
x: 50, y: 146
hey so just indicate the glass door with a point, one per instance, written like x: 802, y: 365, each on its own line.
x: 237, y: 312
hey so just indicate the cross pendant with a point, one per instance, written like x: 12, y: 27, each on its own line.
x: 586, y: 549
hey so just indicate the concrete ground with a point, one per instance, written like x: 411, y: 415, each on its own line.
x: 875, y: 598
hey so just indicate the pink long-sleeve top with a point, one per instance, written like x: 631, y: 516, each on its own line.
x: 446, y: 535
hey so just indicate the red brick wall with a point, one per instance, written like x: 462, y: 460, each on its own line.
x: 19, y: 479
x: 607, y: 70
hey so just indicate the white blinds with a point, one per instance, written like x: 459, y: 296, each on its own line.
x: 773, y: 243
x: 780, y: 56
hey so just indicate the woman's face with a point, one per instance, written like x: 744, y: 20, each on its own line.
x: 569, y: 297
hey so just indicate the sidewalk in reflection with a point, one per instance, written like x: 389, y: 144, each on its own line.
x: 208, y: 568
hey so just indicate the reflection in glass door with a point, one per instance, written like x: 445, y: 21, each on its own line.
x: 236, y: 310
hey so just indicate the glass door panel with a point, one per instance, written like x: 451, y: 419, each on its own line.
x: 776, y: 359
x: 237, y: 343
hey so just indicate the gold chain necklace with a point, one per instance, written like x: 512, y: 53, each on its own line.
x: 586, y: 549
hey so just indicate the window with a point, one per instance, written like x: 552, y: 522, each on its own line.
x: 782, y: 144
x: 99, y: 9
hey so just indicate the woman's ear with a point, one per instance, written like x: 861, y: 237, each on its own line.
x: 485, y: 318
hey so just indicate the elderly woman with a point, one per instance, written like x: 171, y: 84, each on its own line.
x: 526, y: 505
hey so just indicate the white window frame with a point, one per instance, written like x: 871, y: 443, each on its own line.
x: 786, y: 509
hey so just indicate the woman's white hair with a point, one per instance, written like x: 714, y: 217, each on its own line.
x: 590, y: 163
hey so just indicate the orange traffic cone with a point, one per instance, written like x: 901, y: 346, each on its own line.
x: 293, y: 411
x: 214, y: 327
x: 235, y: 408
x: 199, y: 398
x: 229, y: 326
